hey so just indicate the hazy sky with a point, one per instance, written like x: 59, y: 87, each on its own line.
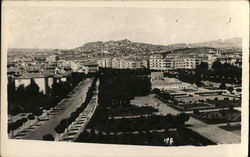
x: 65, y: 27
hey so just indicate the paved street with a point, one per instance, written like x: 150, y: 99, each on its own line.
x: 63, y: 110
x: 77, y: 127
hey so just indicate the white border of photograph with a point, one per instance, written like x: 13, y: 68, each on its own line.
x: 27, y: 148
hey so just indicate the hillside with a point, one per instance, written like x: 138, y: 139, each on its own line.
x: 127, y: 47
x: 124, y: 47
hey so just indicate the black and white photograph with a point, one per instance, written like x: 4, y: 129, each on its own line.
x: 167, y: 77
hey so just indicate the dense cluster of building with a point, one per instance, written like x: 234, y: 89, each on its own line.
x: 45, y: 70
x: 22, y: 68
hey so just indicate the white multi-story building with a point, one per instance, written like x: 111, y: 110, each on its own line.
x: 183, y: 62
x: 105, y: 62
x: 120, y: 63
x: 90, y: 68
x: 157, y: 62
x: 171, y: 62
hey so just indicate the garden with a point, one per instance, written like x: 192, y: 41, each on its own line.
x: 191, y: 106
x: 217, y: 117
x: 222, y: 103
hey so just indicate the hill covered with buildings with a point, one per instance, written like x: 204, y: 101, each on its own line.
x: 127, y: 47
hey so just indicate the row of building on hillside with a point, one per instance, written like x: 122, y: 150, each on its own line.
x: 121, y: 63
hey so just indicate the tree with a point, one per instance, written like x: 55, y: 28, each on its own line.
x: 59, y: 130
x: 222, y: 86
x: 30, y: 117
x: 198, y: 83
x: 37, y: 113
x: 238, y: 90
x: 182, y: 118
x: 230, y: 89
x: 48, y: 137
x: 11, y: 96
x: 32, y: 89
x: 166, y: 130
x: 216, y: 65
x: 196, y: 111
x: 99, y: 136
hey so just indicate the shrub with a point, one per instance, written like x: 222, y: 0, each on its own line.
x: 31, y: 117
x: 238, y: 90
x: 196, y: 111
x: 231, y: 108
x: 230, y: 89
x: 222, y: 86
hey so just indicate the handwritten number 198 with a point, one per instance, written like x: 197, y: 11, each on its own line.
x: 169, y: 140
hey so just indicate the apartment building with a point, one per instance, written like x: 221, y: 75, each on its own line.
x: 105, y: 62
x: 171, y: 62
x: 121, y: 63
x: 90, y: 67
x: 158, y: 62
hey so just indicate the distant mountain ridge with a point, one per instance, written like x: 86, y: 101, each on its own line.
x: 125, y: 47
x: 228, y: 43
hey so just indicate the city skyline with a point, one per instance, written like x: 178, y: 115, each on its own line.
x: 42, y: 27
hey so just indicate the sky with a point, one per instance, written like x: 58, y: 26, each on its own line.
x: 70, y: 27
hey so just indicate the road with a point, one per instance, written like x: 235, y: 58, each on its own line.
x: 63, y: 110
x: 81, y: 122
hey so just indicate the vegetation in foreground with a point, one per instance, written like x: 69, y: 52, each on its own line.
x: 116, y: 89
